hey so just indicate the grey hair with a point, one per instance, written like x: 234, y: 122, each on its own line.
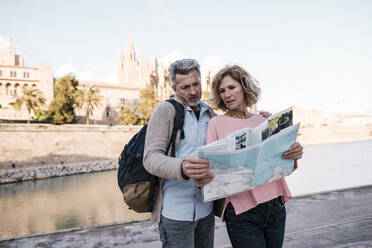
x: 182, y: 66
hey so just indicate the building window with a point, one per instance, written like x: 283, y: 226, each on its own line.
x: 1, y: 73
x: 17, y: 60
x: 7, y: 89
x: 16, y: 90
x: 108, y: 112
x: 26, y: 74
x: 13, y: 74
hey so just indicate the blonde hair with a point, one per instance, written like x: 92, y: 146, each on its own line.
x: 248, y: 83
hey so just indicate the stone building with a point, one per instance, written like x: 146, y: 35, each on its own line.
x: 14, y: 76
x: 136, y: 74
x: 133, y: 76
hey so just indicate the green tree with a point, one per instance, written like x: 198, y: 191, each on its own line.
x: 65, y: 100
x: 147, y: 103
x: 128, y: 117
x: 32, y: 98
x: 42, y: 116
x: 89, y: 98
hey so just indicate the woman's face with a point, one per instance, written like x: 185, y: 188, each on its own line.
x: 231, y: 93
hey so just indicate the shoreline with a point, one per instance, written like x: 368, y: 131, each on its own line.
x: 45, y: 145
x: 29, y: 173
x: 55, y: 170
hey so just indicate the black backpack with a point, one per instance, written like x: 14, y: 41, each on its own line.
x: 138, y: 186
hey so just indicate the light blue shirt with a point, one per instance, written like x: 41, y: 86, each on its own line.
x: 183, y: 200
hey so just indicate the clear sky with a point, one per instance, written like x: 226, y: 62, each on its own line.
x: 312, y: 54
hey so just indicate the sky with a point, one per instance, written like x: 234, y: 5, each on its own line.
x: 310, y: 54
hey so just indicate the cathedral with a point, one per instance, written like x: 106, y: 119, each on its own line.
x: 137, y: 74
x: 133, y: 76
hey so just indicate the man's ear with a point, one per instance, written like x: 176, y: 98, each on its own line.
x: 174, y: 88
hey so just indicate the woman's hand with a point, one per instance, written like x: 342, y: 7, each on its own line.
x: 294, y: 152
x: 265, y: 114
x: 204, y: 181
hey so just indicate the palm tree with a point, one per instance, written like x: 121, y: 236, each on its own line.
x: 89, y: 98
x: 32, y: 97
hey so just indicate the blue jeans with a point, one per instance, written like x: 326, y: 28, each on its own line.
x: 259, y: 227
x: 187, y: 234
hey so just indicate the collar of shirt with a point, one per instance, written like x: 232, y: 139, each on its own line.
x: 203, y: 108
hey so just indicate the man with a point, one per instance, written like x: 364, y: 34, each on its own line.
x: 184, y: 219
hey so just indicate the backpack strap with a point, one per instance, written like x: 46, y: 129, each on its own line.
x: 179, y: 118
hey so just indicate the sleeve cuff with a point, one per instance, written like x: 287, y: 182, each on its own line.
x: 184, y: 177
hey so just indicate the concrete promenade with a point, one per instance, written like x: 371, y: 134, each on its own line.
x: 335, y: 219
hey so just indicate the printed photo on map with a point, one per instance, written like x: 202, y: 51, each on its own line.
x: 278, y: 122
x: 240, y: 141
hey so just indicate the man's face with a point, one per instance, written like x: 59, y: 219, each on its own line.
x: 188, y: 87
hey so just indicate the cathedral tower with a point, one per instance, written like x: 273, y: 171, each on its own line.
x: 130, y: 72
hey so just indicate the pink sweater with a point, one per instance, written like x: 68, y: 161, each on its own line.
x: 218, y: 128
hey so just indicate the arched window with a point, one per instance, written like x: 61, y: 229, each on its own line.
x: 108, y: 112
x: 7, y: 89
x: 16, y: 89
x: 25, y: 86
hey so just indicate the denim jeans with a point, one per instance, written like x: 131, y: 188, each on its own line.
x: 187, y: 234
x: 259, y: 227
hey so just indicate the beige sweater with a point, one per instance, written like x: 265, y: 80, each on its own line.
x: 158, y: 135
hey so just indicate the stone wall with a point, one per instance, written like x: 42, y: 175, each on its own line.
x: 57, y: 170
x: 45, y: 144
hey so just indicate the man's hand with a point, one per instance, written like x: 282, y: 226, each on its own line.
x: 265, y: 114
x: 294, y: 152
x: 197, y: 169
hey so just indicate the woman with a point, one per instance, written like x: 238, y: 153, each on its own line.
x: 254, y: 218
